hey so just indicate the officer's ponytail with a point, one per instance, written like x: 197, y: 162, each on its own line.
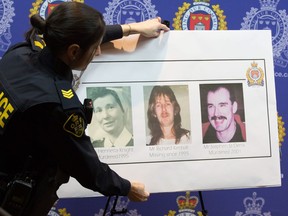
x: 38, y: 27
x: 69, y: 23
x: 38, y: 23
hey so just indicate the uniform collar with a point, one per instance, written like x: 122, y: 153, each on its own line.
x: 55, y: 64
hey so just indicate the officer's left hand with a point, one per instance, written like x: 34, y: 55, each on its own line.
x: 137, y: 192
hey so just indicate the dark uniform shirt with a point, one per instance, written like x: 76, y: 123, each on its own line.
x: 42, y: 117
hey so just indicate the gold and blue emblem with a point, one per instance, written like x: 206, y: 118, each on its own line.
x: 255, y: 75
x: 199, y: 16
x: 129, y: 11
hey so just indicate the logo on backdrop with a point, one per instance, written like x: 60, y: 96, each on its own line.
x: 122, y: 203
x: 276, y: 21
x: 199, y: 16
x: 58, y: 212
x: 255, y: 75
x: 253, y: 206
x: 45, y: 7
x: 6, y: 15
x: 186, y: 206
x: 128, y: 11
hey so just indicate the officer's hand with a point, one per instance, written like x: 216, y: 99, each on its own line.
x: 148, y: 28
x: 137, y: 192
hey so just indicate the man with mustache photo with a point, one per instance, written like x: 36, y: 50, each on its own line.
x: 222, y: 102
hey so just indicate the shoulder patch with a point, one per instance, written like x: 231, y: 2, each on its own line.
x: 74, y: 125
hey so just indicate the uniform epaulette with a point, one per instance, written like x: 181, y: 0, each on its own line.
x: 37, y: 42
x: 67, y: 95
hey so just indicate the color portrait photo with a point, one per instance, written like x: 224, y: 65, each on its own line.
x: 168, y: 117
x: 222, y: 108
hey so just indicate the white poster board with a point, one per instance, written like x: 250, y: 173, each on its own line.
x: 189, y: 62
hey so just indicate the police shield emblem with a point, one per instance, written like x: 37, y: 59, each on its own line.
x: 74, y: 125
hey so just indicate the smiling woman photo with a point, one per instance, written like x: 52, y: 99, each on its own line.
x: 111, y: 116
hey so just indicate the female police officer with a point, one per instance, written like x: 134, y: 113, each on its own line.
x: 42, y: 122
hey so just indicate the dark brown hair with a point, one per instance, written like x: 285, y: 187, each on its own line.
x: 69, y: 23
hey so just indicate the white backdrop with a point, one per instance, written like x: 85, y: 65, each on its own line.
x: 189, y: 59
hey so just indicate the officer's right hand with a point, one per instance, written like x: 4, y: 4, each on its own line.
x: 137, y: 192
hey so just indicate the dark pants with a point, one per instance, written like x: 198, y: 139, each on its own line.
x: 43, y: 194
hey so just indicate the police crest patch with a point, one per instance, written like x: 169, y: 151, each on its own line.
x: 129, y: 11
x: 199, y: 17
x: 74, y: 125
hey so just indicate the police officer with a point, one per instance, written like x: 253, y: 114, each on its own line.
x: 42, y: 122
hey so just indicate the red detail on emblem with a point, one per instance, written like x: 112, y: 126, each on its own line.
x: 51, y: 7
x: 255, y: 74
x: 200, y: 21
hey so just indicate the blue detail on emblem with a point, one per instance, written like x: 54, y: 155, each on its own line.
x: 128, y: 11
x: 269, y: 20
x: 6, y: 14
x: 130, y: 15
x: 276, y: 21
